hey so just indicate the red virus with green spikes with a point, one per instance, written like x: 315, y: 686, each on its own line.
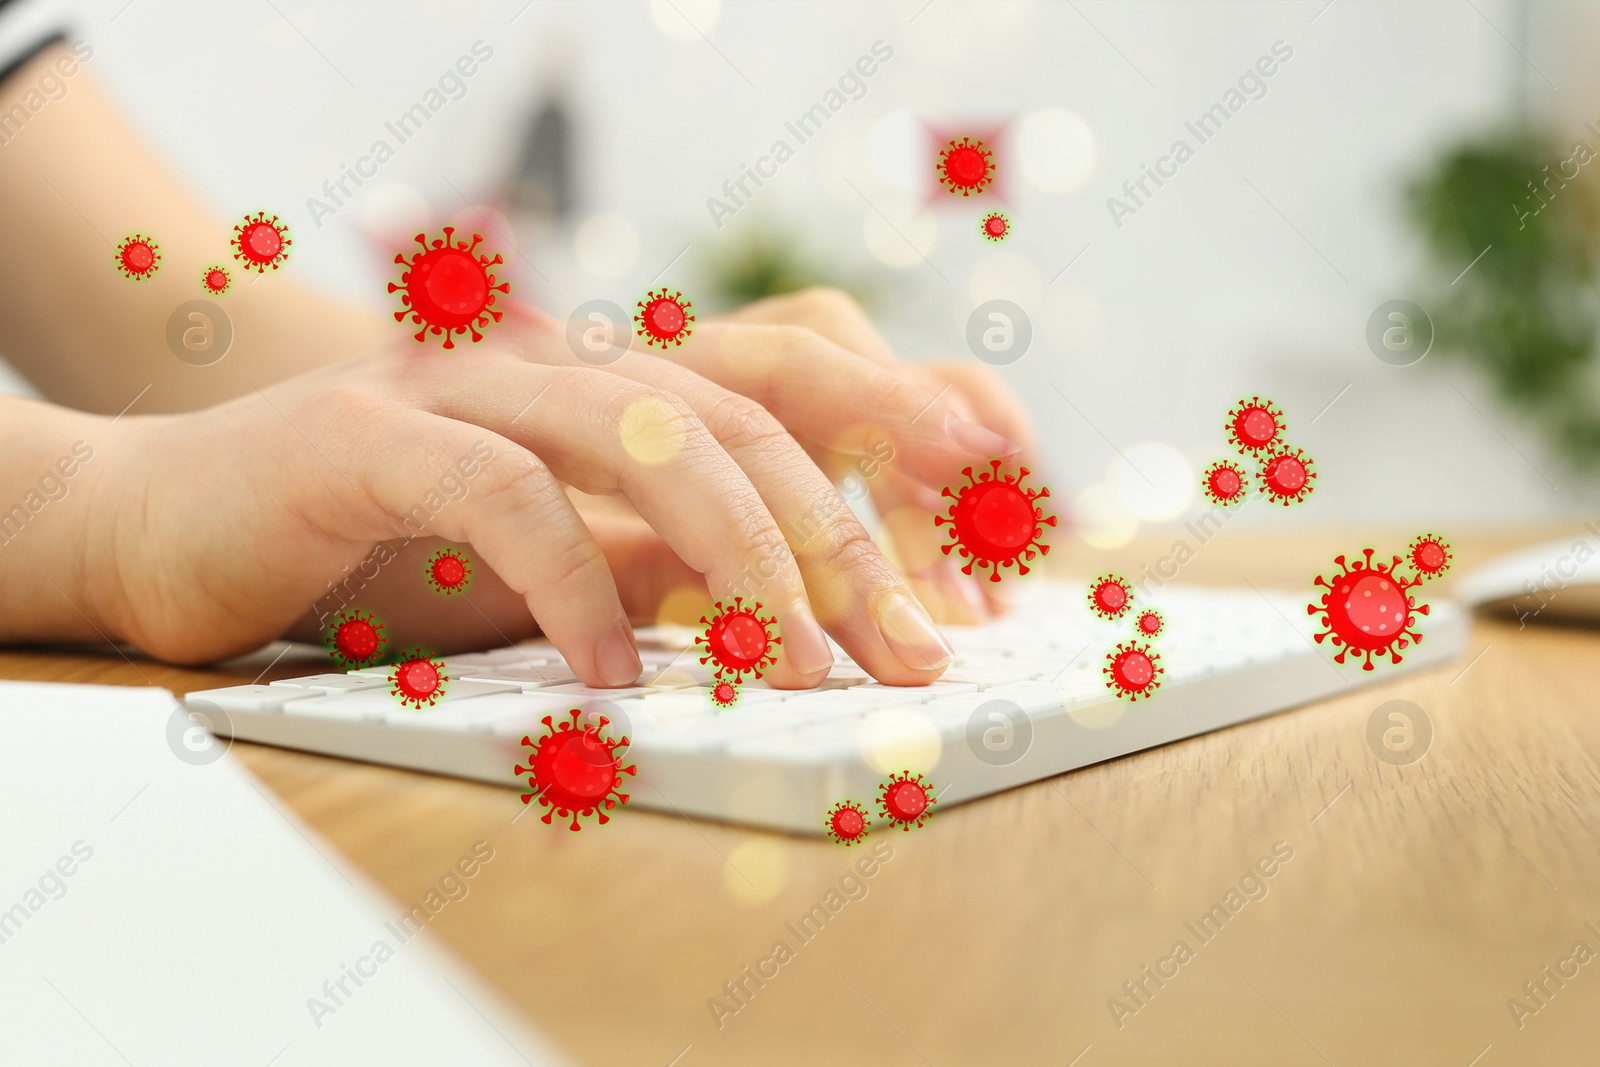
x: 906, y: 800
x: 994, y: 522
x: 1224, y: 483
x: 1255, y: 424
x: 1150, y: 623
x: 1368, y: 609
x: 724, y: 694
x: 448, y: 288
x: 1110, y: 596
x: 738, y: 640
x: 664, y: 318
x: 448, y: 572
x: 260, y: 242
x: 1286, y: 475
x: 575, y: 770
x: 417, y: 679
x: 355, y: 639
x: 995, y: 227
x: 216, y: 280
x: 1132, y: 670
x: 847, y: 823
x: 1430, y: 556
x: 965, y: 166
x: 138, y: 257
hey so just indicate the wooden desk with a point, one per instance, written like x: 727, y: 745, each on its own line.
x: 1418, y: 899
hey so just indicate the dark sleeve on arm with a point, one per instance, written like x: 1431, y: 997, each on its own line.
x: 27, y: 27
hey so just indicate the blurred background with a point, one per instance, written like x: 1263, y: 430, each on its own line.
x: 1399, y: 154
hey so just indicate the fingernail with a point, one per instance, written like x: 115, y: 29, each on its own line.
x: 804, y: 645
x: 980, y: 440
x: 617, y: 658
x: 911, y: 635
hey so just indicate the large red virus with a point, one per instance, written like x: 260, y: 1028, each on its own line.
x: 1286, y: 475
x: 1430, y: 555
x: 738, y: 641
x: 994, y: 522
x: 1254, y: 424
x: 1224, y: 483
x: 847, y: 823
x: 664, y: 319
x: 965, y: 167
x: 1132, y: 670
x: 356, y: 639
x: 448, y: 287
x: 995, y: 227
x: 1368, y: 610
x: 575, y: 770
x: 138, y: 257
x: 1150, y: 623
x: 417, y: 679
x: 1110, y: 596
x: 724, y: 694
x: 448, y: 572
x: 215, y: 280
x: 261, y: 242
x: 905, y: 800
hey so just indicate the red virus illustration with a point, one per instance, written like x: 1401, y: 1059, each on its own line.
x: 449, y: 288
x: 1133, y: 671
x: 261, y: 242
x: 1110, y: 596
x: 356, y: 639
x: 663, y: 319
x: 738, y: 642
x: 905, y: 800
x: 965, y: 166
x: 994, y: 522
x: 847, y: 823
x: 1224, y: 483
x: 1430, y: 555
x: 215, y: 280
x: 575, y: 770
x: 1254, y: 424
x: 1150, y: 623
x: 448, y: 572
x: 995, y: 227
x: 1286, y: 475
x: 138, y: 257
x: 1367, y: 609
x: 417, y: 679
x: 724, y: 694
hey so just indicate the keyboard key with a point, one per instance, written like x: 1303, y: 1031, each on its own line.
x: 521, y: 677
x: 268, y: 698
x: 916, y: 694
x: 329, y: 683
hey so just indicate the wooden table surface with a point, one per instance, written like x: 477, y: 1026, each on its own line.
x: 1418, y: 900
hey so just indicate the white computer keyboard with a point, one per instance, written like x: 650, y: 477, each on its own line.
x: 783, y: 758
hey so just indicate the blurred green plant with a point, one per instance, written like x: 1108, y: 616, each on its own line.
x: 1526, y: 313
x: 763, y: 259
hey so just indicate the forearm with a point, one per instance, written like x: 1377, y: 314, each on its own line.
x: 74, y: 181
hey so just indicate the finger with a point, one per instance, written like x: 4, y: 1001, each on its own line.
x: 517, y: 516
x: 992, y: 401
x: 827, y: 312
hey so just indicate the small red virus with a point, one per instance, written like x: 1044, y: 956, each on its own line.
x: 847, y: 823
x: 965, y: 167
x: 995, y: 226
x: 215, y: 280
x: 575, y: 770
x: 905, y: 800
x: 1150, y: 623
x: 449, y: 288
x: 138, y: 257
x: 994, y: 522
x: 1133, y: 671
x: 1286, y: 475
x: 448, y: 572
x: 738, y: 641
x: 356, y: 639
x: 1110, y: 596
x: 724, y: 694
x: 261, y: 242
x: 417, y: 679
x: 1367, y: 609
x: 1254, y: 424
x: 1430, y: 555
x: 1224, y: 483
x: 663, y: 319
